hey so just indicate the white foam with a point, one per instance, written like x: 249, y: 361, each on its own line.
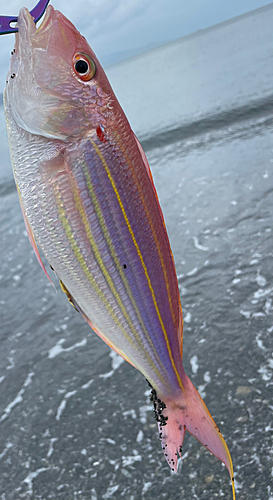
x: 246, y: 314
x: 131, y: 413
x: 260, y: 280
x: 62, y: 406
x: 259, y: 342
x: 51, y: 448
x: 110, y: 441
x: 146, y: 486
x: 88, y: 384
x: 107, y: 375
x: 265, y: 373
x: 94, y: 494
x: 142, y: 411
x: 110, y: 491
x: 198, y: 245
x: 117, y: 360
x: 6, y: 449
x: 207, y: 377
x: 187, y: 318
x: 193, y: 271
x: 11, y: 361
x: 258, y: 315
x: 28, y: 480
x: 262, y: 293
x: 28, y: 380
x: 131, y: 459
x: 139, y: 436
x: 180, y: 276
x: 193, y: 475
x: 18, y: 399
x: 194, y: 364
x: 58, y: 349
x: 201, y: 390
x: 268, y: 306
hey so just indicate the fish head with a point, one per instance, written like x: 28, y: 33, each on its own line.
x: 56, y: 87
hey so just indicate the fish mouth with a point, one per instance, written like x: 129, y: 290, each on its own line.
x: 28, y: 31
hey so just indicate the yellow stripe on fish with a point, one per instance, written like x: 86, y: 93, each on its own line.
x: 104, y: 163
x: 120, y: 269
x: 147, y: 212
x: 108, y: 278
x: 81, y: 260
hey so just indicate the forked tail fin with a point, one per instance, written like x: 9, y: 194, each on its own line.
x: 189, y: 413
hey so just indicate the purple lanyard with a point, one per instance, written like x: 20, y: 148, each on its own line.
x: 36, y: 13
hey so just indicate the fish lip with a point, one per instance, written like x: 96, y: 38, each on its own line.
x: 46, y: 20
x: 25, y: 22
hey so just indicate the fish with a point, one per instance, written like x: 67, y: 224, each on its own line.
x: 91, y: 209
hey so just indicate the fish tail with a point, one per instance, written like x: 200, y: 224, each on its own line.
x: 188, y: 412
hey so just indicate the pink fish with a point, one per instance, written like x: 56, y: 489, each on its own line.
x: 90, y: 204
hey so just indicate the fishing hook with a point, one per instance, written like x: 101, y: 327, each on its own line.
x: 36, y: 13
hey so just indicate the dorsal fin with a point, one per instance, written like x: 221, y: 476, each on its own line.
x: 144, y: 158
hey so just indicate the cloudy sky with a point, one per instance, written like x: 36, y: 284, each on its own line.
x: 117, y: 29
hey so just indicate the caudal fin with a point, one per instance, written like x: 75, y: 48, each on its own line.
x: 189, y: 413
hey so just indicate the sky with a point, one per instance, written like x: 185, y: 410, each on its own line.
x: 117, y: 29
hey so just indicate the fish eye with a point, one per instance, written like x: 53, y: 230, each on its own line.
x: 83, y: 66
